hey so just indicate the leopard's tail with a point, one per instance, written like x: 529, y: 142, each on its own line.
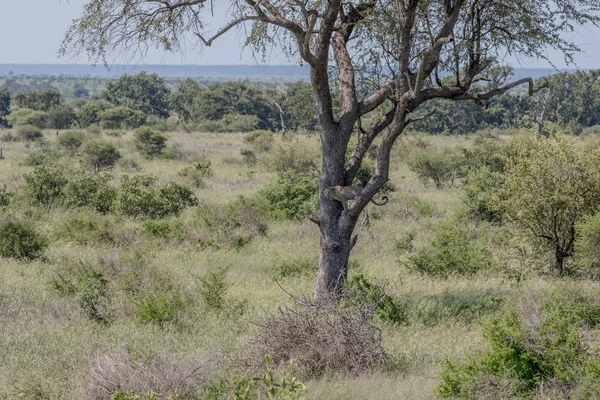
x: 384, y: 201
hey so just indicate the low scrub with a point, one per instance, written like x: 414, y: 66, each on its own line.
x: 292, y: 196
x: 442, y: 167
x: 149, y: 143
x: 542, y: 346
x: 19, y: 239
x: 99, y: 155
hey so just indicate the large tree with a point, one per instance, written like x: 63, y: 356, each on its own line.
x: 383, y: 58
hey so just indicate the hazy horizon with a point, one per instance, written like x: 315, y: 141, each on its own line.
x: 52, y: 17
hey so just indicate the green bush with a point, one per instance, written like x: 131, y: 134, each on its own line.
x: 238, y: 123
x: 26, y: 116
x: 540, y: 346
x: 89, y: 114
x: 587, y: 245
x: 71, y: 141
x: 88, y: 228
x: 20, y: 240
x: 450, y: 252
x: 360, y: 291
x: 61, y: 116
x: 293, y: 195
x: 139, y: 196
x: 94, y: 297
x: 442, y: 167
x: 196, y: 173
x: 44, y: 185
x: 261, y: 141
x: 213, y: 289
x: 5, y: 197
x: 172, y: 153
x: 45, y: 156
x: 100, y: 154
x: 165, y: 229
x: 296, y: 268
x: 160, y: 307
x: 85, y: 189
x: 29, y: 132
x: 149, y: 143
x: 121, y: 117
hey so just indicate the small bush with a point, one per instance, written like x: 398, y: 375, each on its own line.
x: 321, y: 337
x: 238, y: 123
x: 5, y: 197
x: 172, y: 153
x: 165, y: 229
x: 450, y: 252
x: 360, y: 292
x: 249, y: 156
x: 293, y: 195
x: 94, y: 297
x: 542, y: 346
x: 88, y: 228
x: 296, y: 268
x: 261, y: 141
x: 149, y: 143
x: 43, y: 157
x: 196, y: 173
x: 30, y: 132
x: 85, y: 189
x: 442, y: 167
x: 71, y: 141
x: 44, y: 185
x: 61, y: 116
x: 26, y: 116
x: 20, y: 240
x: 160, y: 307
x: 139, y: 196
x: 213, y: 289
x: 99, y: 155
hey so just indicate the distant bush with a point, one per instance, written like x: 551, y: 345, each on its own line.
x: 213, y: 289
x: 542, y: 346
x: 100, y: 154
x: 172, y: 153
x: 196, y: 173
x: 149, y: 143
x: 85, y: 189
x: 450, y: 252
x: 160, y: 307
x: 45, y: 156
x: 30, y: 132
x: 90, y: 112
x: 121, y: 117
x: 26, y: 116
x: 61, y: 116
x: 442, y: 167
x: 260, y: 141
x: 139, y: 196
x: 20, y: 240
x: 292, y: 156
x: 88, y: 228
x: 239, y: 123
x: 71, y: 141
x: 44, y: 185
x: 94, y: 297
x: 293, y: 195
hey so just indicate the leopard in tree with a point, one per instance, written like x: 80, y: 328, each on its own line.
x: 343, y: 194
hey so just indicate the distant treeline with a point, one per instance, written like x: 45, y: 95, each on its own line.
x: 570, y: 100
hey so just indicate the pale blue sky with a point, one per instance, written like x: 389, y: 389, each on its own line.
x: 31, y: 32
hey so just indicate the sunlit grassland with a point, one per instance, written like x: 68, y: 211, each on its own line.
x: 47, y: 343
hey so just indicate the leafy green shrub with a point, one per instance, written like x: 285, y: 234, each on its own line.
x: 121, y: 117
x: 165, y: 229
x: 196, y: 173
x: 61, y: 116
x: 94, y: 297
x: 450, y: 252
x: 45, y: 156
x: 442, y: 167
x: 360, y: 291
x: 172, y: 153
x: 87, y: 228
x: 85, y: 189
x: 44, y: 185
x: 100, y: 154
x: 160, y: 307
x: 149, y: 143
x: 261, y: 141
x: 139, y: 196
x: 293, y: 195
x: 213, y: 289
x: 5, y: 196
x: 296, y: 268
x: 71, y: 141
x: 26, y: 116
x: 541, y: 346
x: 238, y: 123
x: 20, y: 240
x: 30, y: 132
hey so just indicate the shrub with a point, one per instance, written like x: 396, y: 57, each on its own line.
x: 196, y: 173
x: 26, y: 116
x: 44, y: 185
x: 121, y: 117
x: 30, y: 132
x: 296, y: 268
x: 172, y: 153
x: 442, y: 167
x: 88, y: 228
x: 160, y: 307
x: 360, y: 292
x: 321, y: 337
x: 540, y: 346
x: 261, y: 141
x: 100, y: 154
x: 213, y: 289
x: 94, y: 297
x: 20, y: 240
x: 89, y: 114
x: 139, y: 196
x: 293, y: 195
x: 249, y: 156
x: 71, y: 141
x: 5, y: 197
x: 239, y: 123
x: 43, y: 157
x: 89, y: 190
x: 450, y: 252
x: 149, y: 143
x: 61, y: 116
x: 587, y: 245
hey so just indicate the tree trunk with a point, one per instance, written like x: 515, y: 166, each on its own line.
x: 336, y: 228
x: 559, y: 262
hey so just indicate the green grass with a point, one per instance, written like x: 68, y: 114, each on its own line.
x: 49, y: 346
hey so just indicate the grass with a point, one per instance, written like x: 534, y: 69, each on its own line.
x: 49, y: 347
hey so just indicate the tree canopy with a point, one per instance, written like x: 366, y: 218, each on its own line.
x: 141, y: 92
